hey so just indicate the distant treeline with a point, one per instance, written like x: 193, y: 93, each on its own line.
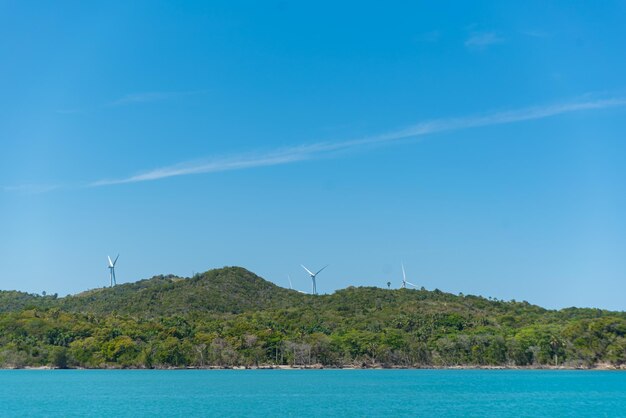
x: 230, y: 317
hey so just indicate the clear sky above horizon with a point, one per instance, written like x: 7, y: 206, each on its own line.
x: 480, y: 143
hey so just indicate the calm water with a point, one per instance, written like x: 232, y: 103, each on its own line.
x: 428, y: 393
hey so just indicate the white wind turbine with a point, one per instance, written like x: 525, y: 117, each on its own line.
x: 291, y: 286
x: 404, y: 282
x: 112, y: 269
x: 313, y: 276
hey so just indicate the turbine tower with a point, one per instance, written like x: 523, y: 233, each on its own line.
x: 313, y: 275
x: 112, y: 269
x: 404, y: 282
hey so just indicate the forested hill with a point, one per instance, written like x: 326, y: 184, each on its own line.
x: 229, y: 289
x: 230, y: 316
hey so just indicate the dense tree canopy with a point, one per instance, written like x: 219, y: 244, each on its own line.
x: 231, y: 317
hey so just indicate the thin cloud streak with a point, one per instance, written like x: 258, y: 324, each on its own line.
x: 278, y: 157
x: 533, y: 33
x: 32, y: 188
x: 482, y: 40
x: 151, y: 96
x: 68, y: 111
x: 318, y: 150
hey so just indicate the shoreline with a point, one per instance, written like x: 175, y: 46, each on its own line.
x: 600, y: 367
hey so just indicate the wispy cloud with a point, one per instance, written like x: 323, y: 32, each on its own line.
x: 152, y: 96
x: 482, y: 40
x: 535, y: 33
x: 68, y: 111
x: 318, y: 150
x: 31, y: 188
x: 322, y: 149
x: 239, y: 162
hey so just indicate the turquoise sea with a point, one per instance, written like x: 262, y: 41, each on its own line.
x: 358, y: 393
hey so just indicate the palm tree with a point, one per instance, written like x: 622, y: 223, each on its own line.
x: 555, y: 343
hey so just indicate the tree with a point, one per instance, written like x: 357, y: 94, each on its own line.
x: 58, y: 357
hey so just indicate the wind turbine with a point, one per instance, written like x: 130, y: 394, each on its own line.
x: 404, y: 282
x: 112, y: 269
x: 291, y: 286
x: 313, y: 275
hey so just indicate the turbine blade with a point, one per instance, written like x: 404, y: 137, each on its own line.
x: 403, y: 272
x: 290, y: 286
x: 115, y: 261
x: 307, y: 270
x: 320, y: 270
x: 411, y: 284
x: 110, y: 262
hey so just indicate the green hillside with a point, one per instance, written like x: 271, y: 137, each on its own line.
x: 15, y: 301
x: 229, y: 317
x: 232, y: 290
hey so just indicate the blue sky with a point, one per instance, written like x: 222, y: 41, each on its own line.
x: 480, y: 143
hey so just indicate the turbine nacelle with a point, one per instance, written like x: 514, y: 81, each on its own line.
x: 112, y: 263
x: 404, y: 282
x: 112, y: 269
x: 313, y: 276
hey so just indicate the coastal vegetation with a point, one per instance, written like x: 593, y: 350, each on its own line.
x: 230, y: 317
